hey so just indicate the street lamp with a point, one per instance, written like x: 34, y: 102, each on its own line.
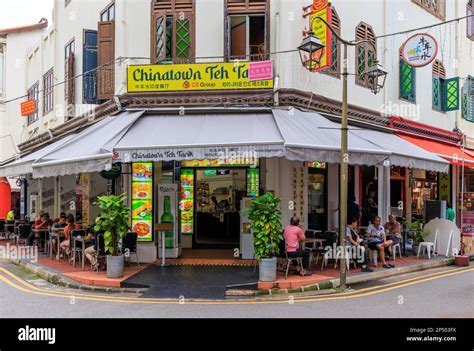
x: 311, y: 50
x: 376, y: 75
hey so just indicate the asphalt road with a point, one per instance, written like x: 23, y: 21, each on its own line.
x: 446, y: 292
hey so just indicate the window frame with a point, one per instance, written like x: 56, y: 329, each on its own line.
x: 91, y: 75
x: 367, y: 50
x: 2, y: 70
x: 246, y: 8
x: 48, y: 91
x: 33, y: 94
x: 400, y: 65
x: 437, y: 13
x: 172, y: 9
x: 107, y: 11
x: 438, y: 71
x: 470, y: 20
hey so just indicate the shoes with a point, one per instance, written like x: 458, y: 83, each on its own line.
x: 387, y: 266
x: 366, y: 270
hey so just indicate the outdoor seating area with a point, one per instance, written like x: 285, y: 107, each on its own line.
x: 65, y: 241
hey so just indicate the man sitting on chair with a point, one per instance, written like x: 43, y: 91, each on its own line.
x: 293, y: 236
x: 393, y: 230
x: 378, y: 241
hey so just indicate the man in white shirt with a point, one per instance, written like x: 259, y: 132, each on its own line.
x: 378, y: 241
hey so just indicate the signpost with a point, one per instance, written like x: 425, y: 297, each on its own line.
x: 419, y: 50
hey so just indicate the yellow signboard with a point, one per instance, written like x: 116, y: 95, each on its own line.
x: 200, y: 76
x: 324, y: 34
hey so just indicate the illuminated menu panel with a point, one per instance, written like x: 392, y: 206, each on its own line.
x: 321, y: 165
x: 253, y: 179
x: 186, y: 205
x: 236, y: 161
x: 142, y: 200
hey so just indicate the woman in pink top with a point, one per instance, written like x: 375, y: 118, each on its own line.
x: 293, y: 236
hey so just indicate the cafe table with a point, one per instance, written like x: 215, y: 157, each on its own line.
x: 314, y: 242
x: 83, y: 241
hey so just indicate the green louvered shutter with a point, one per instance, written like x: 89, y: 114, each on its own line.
x: 451, y: 94
x: 437, y: 93
x: 407, y: 81
x: 467, y: 102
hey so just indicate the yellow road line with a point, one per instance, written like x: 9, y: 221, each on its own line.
x: 32, y: 287
x: 360, y: 293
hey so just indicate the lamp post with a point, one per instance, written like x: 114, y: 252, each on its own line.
x: 313, y: 47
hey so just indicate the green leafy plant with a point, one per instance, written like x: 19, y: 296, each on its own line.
x: 417, y: 232
x: 113, y: 221
x: 265, y: 222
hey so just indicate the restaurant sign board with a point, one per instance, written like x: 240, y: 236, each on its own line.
x: 28, y: 108
x: 419, y: 50
x: 321, y: 31
x: 200, y: 76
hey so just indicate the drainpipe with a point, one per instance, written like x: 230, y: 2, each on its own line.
x: 276, y: 45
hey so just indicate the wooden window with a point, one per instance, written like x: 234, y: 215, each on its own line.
x: 172, y: 31
x: 407, y: 81
x: 467, y: 108
x: 365, y: 53
x: 246, y: 30
x: 435, y: 7
x: 106, y: 54
x: 470, y: 20
x: 69, y: 79
x: 445, y: 92
x: 89, y: 67
x: 335, y: 69
x: 33, y: 94
x: 48, y: 91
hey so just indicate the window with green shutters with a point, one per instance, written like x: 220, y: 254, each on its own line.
x: 445, y: 92
x: 450, y: 94
x: 407, y: 81
x: 467, y: 100
x: 172, y: 30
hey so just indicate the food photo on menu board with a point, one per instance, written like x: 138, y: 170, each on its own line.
x: 142, y: 200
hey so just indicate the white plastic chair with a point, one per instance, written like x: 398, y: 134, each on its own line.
x: 428, y: 245
x: 394, y: 250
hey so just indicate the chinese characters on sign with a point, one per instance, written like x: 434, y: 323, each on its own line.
x: 419, y: 50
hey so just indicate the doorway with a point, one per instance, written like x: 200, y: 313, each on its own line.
x: 218, y: 194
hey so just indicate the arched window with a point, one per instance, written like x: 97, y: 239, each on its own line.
x: 365, y: 53
x: 407, y: 80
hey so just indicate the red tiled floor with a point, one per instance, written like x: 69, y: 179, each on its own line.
x: 88, y: 277
x: 196, y: 257
x: 329, y: 272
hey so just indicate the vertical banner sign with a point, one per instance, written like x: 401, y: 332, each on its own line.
x: 142, y: 200
x: 320, y: 30
x: 253, y: 180
x: 186, y: 205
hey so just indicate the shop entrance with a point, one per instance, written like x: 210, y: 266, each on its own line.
x: 218, y: 194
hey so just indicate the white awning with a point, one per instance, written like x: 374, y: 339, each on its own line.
x: 296, y: 135
x: 88, y: 151
x: 24, y: 164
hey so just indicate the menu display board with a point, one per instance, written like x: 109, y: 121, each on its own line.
x: 142, y: 200
x: 253, y: 180
x: 186, y: 205
x: 233, y: 161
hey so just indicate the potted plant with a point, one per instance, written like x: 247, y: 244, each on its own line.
x: 417, y: 234
x: 265, y: 223
x: 113, y: 221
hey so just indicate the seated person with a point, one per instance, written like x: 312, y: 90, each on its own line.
x: 90, y: 251
x: 58, y: 227
x: 378, y: 241
x: 70, y: 226
x: 293, y: 236
x: 353, y: 239
x: 41, y: 223
x: 393, y: 230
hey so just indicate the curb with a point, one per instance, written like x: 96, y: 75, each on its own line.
x: 358, y: 279
x: 58, y: 279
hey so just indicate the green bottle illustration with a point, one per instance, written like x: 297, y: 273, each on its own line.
x: 167, y: 217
